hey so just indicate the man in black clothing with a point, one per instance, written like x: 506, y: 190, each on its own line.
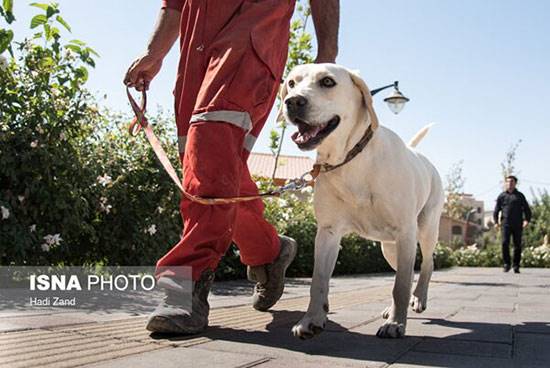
x: 516, y: 215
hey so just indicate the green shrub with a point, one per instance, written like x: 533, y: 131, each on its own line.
x: 534, y: 234
x: 74, y: 187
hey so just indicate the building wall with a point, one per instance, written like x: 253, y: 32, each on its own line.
x: 453, y: 230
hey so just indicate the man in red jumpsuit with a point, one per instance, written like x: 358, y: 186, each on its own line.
x: 233, y: 54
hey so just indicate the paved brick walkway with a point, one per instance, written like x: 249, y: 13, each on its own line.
x: 476, y: 317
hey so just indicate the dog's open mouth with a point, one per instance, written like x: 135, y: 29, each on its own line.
x: 309, y: 135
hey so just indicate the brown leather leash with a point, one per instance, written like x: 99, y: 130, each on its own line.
x: 140, y: 122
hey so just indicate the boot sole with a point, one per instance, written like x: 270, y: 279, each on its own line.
x: 165, y: 325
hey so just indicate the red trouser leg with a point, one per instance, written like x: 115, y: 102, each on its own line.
x: 256, y: 238
x: 214, y: 167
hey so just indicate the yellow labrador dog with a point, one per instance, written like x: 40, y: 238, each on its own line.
x: 388, y: 192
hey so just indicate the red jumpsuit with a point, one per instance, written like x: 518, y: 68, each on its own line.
x: 233, y: 54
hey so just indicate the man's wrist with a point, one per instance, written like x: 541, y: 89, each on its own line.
x: 154, y: 54
x: 326, y: 56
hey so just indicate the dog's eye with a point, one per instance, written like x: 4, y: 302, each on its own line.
x: 291, y: 84
x: 327, y: 82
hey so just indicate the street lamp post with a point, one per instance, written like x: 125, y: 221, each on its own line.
x: 396, y: 101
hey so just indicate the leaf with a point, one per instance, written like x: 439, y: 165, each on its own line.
x: 7, y: 12
x: 47, y: 32
x: 63, y: 23
x: 38, y: 20
x: 51, y: 11
x: 6, y: 36
x: 82, y: 73
x: 8, y: 5
x: 92, y: 51
x: 39, y: 5
x: 74, y: 48
x: 78, y: 42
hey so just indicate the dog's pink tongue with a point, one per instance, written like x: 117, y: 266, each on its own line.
x: 298, y: 137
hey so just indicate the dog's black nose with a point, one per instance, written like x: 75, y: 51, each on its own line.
x: 295, y: 102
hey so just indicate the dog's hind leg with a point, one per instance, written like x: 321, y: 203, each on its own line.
x: 389, y: 251
x: 427, y: 236
x: 327, y: 246
x: 396, y: 323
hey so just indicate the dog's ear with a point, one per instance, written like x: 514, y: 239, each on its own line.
x: 282, y: 94
x: 367, y: 98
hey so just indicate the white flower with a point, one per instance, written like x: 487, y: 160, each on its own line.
x: 283, y: 203
x: 258, y: 183
x: 160, y: 209
x: 51, y: 241
x: 34, y: 144
x: 62, y: 136
x: 3, y: 62
x: 21, y: 198
x: 293, y: 197
x: 104, y: 180
x: 151, y: 229
x: 39, y: 129
x: 307, y: 189
x: 104, y: 206
x: 32, y: 228
x: 5, y: 213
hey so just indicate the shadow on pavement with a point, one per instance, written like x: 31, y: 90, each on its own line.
x: 339, y: 342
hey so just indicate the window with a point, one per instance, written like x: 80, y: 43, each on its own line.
x: 456, y: 230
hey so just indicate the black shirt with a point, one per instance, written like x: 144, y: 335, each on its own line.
x: 513, y: 205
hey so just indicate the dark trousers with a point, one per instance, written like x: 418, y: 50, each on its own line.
x: 515, y: 233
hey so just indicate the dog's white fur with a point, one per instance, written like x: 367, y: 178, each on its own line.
x: 388, y: 192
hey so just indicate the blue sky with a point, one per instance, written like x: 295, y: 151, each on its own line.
x: 478, y: 69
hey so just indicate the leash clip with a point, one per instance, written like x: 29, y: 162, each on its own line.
x: 296, y: 184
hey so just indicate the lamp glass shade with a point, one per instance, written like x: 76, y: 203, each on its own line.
x: 396, y: 101
x: 396, y: 106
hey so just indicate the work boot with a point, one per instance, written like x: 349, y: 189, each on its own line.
x: 516, y: 269
x: 270, y: 278
x: 506, y: 268
x: 173, y: 315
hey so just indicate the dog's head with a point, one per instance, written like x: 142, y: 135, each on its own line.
x: 325, y: 102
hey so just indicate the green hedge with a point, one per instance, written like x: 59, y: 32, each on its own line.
x: 491, y: 256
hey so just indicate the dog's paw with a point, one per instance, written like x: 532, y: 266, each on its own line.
x: 418, y: 304
x: 391, y: 330
x: 306, y: 329
x: 386, y: 312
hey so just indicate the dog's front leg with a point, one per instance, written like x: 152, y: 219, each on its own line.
x: 396, y: 323
x: 327, y: 245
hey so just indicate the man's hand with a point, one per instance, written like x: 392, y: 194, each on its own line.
x: 142, y: 71
x: 497, y: 226
x: 525, y: 223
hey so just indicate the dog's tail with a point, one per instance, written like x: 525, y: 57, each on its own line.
x: 419, y: 136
